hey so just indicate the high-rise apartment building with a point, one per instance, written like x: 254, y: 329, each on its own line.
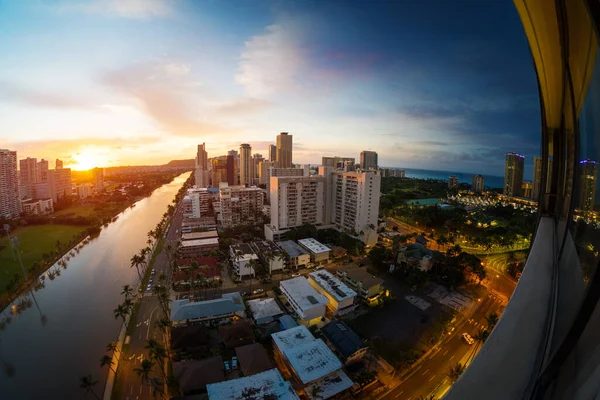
x: 59, y: 183
x: 452, y: 182
x: 201, y: 178
x: 336, y: 161
x: 58, y: 164
x: 256, y: 160
x: 240, y: 205
x: 537, y: 177
x: 526, y: 189
x: 98, y: 179
x: 28, y: 171
x: 272, y: 153
x: 478, y: 184
x: 368, y: 160
x: 586, y: 189
x: 513, y: 175
x: 271, y: 172
x: 42, y: 171
x: 202, y: 157
x: 223, y: 170
x: 263, y: 171
x: 284, y: 150
x: 245, y: 164
x: 296, y: 201
x: 10, y: 204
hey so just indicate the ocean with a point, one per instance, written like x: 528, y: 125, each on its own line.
x: 490, y: 181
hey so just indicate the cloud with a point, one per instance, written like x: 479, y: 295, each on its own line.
x: 14, y: 92
x: 243, y: 106
x: 271, y: 62
x: 137, y: 9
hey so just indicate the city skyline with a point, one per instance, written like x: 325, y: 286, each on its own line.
x: 144, y: 102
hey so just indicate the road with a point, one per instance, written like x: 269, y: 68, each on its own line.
x: 432, y: 373
x: 129, y: 383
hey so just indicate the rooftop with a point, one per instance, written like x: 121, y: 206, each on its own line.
x: 313, y: 245
x: 253, y: 358
x: 312, y: 361
x: 200, y: 242
x: 197, y: 374
x: 199, y: 235
x: 292, y: 248
x: 292, y: 337
x: 242, y: 248
x: 287, y: 322
x: 184, y: 309
x: 237, y: 334
x: 264, y: 309
x: 268, y: 384
x: 360, y: 274
x: 415, y: 250
x: 332, y: 285
x: 305, y: 296
x: 266, y: 246
x: 344, y: 339
x: 330, y: 385
x: 200, y: 261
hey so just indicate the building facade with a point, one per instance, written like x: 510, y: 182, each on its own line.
x: 513, y: 175
x: 272, y: 153
x: 240, y: 205
x: 98, y: 179
x: 452, y: 182
x: 263, y: 171
x: 478, y: 184
x: 223, y: 170
x: 241, y: 255
x: 284, y: 150
x: 368, y: 160
x: 245, y: 164
x: 304, y: 299
x: 59, y: 183
x: 10, y: 204
x: 336, y: 161
x: 202, y: 157
x: 586, y: 189
x: 271, y: 172
x: 37, y: 207
x: 341, y: 297
x: 296, y: 201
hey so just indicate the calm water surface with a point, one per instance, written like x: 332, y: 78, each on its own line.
x: 48, y: 360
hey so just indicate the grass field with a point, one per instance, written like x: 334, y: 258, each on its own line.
x: 92, y: 210
x: 33, y: 241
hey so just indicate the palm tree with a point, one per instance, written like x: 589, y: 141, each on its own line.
x: 137, y: 262
x: 492, y: 320
x: 455, y: 372
x: 111, y: 347
x: 481, y: 336
x: 157, y: 387
x: 87, y: 383
x: 144, y: 370
x: 121, y: 312
x: 127, y: 292
x: 107, y: 360
x: 157, y: 353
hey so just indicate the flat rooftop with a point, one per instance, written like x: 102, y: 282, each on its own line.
x: 292, y: 248
x: 305, y: 296
x: 266, y: 246
x: 332, y: 285
x: 243, y: 248
x: 185, y: 309
x: 314, y: 246
x: 200, y: 242
x: 330, y: 385
x: 292, y: 337
x: 265, y: 385
x: 361, y: 275
x: 312, y: 361
x: 199, y: 235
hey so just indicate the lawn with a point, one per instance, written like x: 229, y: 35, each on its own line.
x: 98, y: 211
x: 34, y: 241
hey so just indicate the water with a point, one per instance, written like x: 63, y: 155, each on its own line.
x: 49, y: 360
x: 490, y: 181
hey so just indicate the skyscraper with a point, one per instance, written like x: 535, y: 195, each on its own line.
x: 202, y: 157
x: 245, y: 164
x: 42, y: 171
x: 59, y: 183
x: 28, y: 171
x: 478, y: 184
x: 368, y: 160
x: 10, y: 204
x: 537, y: 177
x: 513, y: 175
x: 272, y: 153
x: 284, y: 150
x: 256, y: 160
x: 58, y: 164
x: 98, y: 179
x: 586, y: 191
x: 296, y: 201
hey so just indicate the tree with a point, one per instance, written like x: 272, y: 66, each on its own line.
x: 121, y: 312
x: 127, y: 292
x: 87, y: 383
x: 157, y: 387
x: 107, y: 360
x: 492, y: 320
x: 454, y: 251
x: 455, y: 372
x: 144, y: 370
x: 111, y: 347
x: 481, y: 336
x: 157, y: 353
x: 137, y: 261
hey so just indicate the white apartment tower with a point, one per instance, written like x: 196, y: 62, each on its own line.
x: 245, y: 164
x: 284, y: 150
x: 271, y: 172
x: 296, y: 201
x: 10, y: 205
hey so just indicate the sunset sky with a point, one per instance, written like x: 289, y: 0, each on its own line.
x: 119, y: 82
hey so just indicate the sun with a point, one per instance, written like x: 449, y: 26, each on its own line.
x: 87, y: 159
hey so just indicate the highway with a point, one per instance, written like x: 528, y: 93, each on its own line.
x: 431, y: 374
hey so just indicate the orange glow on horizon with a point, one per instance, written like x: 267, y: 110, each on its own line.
x: 87, y: 159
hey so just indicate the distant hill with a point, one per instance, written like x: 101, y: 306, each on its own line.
x: 181, y: 163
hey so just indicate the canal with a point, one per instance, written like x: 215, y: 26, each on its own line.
x: 40, y: 361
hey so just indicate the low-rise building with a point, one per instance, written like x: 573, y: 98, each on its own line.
x: 198, y: 247
x: 304, y: 299
x: 195, y: 375
x: 310, y: 362
x: 238, y: 334
x: 265, y: 385
x: 344, y: 341
x: 253, y: 359
x: 195, y: 271
x: 37, y: 207
x: 191, y: 224
x: 297, y: 257
x: 341, y: 297
x: 241, y: 255
x: 415, y: 255
x: 287, y: 322
x: 366, y: 285
x: 269, y: 254
x: 265, y: 310
x: 229, y: 307
x: 199, y: 235
x: 319, y: 253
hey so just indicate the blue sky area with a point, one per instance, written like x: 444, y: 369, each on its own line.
x: 427, y: 84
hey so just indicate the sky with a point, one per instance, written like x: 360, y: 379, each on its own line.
x: 426, y: 84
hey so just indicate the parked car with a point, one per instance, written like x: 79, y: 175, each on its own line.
x: 258, y: 291
x: 149, y: 287
x: 245, y: 294
x: 153, y: 271
x: 227, y: 366
x: 234, y: 363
